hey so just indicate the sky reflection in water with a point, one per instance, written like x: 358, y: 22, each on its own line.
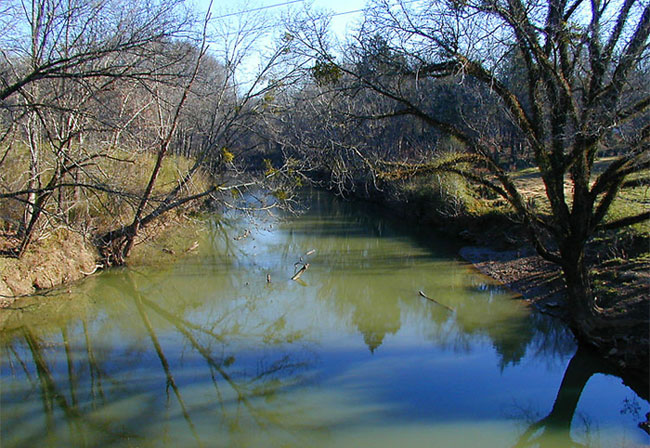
x: 204, y: 352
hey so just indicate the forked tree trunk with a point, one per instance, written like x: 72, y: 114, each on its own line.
x: 581, y: 300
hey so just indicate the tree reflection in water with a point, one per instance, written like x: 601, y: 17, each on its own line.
x: 555, y: 428
x: 87, y: 412
x: 76, y: 418
x: 213, y: 355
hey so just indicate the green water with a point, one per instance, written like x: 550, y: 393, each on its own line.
x: 205, y: 352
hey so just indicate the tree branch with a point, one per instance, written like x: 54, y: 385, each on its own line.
x: 624, y: 222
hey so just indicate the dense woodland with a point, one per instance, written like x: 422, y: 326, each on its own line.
x: 117, y: 112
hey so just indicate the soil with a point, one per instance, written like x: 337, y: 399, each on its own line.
x: 58, y: 258
x: 64, y: 256
x: 538, y: 281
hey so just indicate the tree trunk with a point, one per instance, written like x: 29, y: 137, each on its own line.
x: 33, y: 183
x: 583, y: 310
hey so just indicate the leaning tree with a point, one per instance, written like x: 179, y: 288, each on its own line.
x: 580, y: 89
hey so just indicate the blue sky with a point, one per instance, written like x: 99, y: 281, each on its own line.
x: 339, y: 22
x: 224, y: 14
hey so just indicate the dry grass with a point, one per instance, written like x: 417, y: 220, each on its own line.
x: 91, y: 210
x: 632, y: 199
x: 61, y: 250
x: 58, y: 257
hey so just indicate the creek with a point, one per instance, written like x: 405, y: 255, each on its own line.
x: 204, y: 351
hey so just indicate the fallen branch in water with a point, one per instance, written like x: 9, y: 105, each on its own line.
x: 436, y: 302
x: 301, y: 260
x: 297, y: 275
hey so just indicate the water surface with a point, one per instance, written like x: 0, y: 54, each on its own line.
x: 205, y: 352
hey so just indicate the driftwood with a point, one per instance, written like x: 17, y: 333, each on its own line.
x: 97, y: 266
x: 194, y: 245
x: 297, y: 275
x: 302, y: 260
x: 435, y: 301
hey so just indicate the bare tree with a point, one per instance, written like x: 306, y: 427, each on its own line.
x: 224, y: 112
x: 60, y: 63
x: 579, y: 94
x: 53, y: 39
x: 121, y: 242
x: 88, y: 88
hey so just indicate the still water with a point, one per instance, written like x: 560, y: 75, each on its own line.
x: 204, y: 352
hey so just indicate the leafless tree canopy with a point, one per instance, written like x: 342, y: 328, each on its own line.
x: 124, y: 110
x: 552, y: 83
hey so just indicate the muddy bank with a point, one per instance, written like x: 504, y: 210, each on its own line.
x: 61, y: 257
x: 64, y: 256
x: 538, y: 281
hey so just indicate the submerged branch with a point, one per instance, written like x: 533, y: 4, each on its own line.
x: 435, y: 301
x: 297, y: 275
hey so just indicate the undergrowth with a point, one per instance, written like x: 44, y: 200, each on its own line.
x: 110, y: 189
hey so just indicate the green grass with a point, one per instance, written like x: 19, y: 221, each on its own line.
x: 632, y: 199
x: 453, y: 202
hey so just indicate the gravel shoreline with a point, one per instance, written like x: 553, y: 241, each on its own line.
x: 538, y: 281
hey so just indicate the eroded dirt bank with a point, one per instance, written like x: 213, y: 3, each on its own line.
x: 59, y: 258
x: 63, y: 257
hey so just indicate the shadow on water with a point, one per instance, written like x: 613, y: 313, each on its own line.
x: 88, y: 413
x: 60, y: 409
x: 325, y: 216
x: 214, y: 355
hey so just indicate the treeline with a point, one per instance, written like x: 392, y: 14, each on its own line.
x: 115, y: 112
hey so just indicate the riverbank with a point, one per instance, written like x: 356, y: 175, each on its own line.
x: 64, y: 257
x: 498, y: 247
x: 64, y: 243
x: 523, y: 271
x: 58, y: 258
x: 540, y: 283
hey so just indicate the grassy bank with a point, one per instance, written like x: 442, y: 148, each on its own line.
x: 63, y: 249
x: 451, y: 204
